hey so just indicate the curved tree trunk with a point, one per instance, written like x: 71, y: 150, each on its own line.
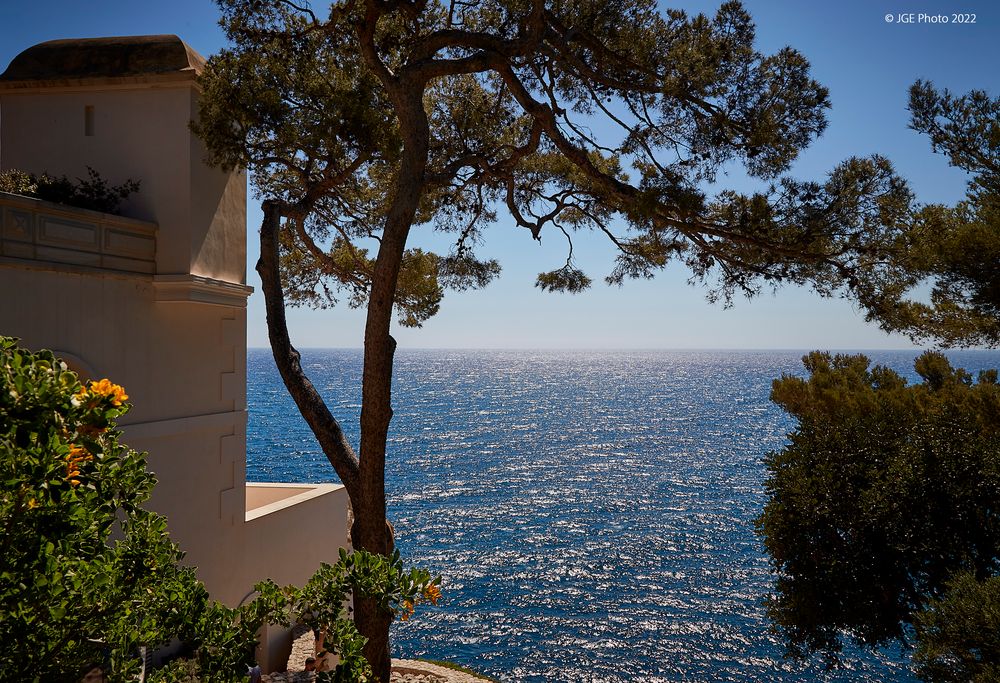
x: 363, y: 476
x: 370, y: 531
x: 308, y: 400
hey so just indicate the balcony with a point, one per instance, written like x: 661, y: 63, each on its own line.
x: 32, y: 230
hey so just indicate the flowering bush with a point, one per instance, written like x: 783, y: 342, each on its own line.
x: 322, y: 603
x: 87, y: 576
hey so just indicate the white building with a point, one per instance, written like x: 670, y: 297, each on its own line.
x: 156, y: 300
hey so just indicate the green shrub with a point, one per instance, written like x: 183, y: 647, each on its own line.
x: 70, y: 595
x: 94, y: 193
x: 87, y: 575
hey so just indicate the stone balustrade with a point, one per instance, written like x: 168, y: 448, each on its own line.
x: 50, y: 234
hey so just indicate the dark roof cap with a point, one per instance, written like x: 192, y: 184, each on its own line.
x: 83, y: 59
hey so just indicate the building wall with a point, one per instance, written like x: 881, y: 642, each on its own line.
x: 139, y: 133
x: 183, y: 366
x: 169, y: 324
x: 220, y: 202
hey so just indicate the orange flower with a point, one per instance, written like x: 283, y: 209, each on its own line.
x: 407, y: 610
x: 106, y: 387
x: 432, y: 593
x: 77, y: 455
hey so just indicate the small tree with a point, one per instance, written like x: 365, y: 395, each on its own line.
x: 361, y: 123
x: 884, y: 494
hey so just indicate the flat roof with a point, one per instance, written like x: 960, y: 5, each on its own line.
x: 81, y: 60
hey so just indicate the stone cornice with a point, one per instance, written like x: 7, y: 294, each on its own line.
x: 185, y: 288
x: 174, y: 80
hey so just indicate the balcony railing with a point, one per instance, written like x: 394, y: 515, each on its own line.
x: 46, y: 233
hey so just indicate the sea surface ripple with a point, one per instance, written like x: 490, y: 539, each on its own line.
x: 591, y: 513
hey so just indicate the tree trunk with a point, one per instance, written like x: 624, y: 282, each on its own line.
x: 364, y: 477
x: 371, y: 530
x: 308, y: 400
x: 371, y: 621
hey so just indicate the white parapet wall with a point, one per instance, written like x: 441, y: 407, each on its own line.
x: 35, y: 230
x: 307, y: 522
x: 290, y: 530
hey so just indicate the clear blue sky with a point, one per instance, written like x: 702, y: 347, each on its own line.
x: 865, y: 61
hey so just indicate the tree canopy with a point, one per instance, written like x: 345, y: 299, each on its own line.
x: 884, y: 495
x: 561, y: 116
x: 953, y: 250
x: 364, y: 120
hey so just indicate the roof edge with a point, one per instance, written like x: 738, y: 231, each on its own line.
x: 87, y: 61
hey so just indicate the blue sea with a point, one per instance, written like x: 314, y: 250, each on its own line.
x: 591, y: 513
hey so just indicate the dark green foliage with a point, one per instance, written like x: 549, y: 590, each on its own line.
x: 219, y: 634
x: 885, y: 491
x: 956, y: 249
x: 959, y: 633
x: 313, y: 105
x: 94, y: 193
x: 87, y: 575
x: 320, y: 603
x: 69, y: 594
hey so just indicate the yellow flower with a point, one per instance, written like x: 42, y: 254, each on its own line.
x: 77, y: 454
x: 106, y: 387
x: 32, y: 503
